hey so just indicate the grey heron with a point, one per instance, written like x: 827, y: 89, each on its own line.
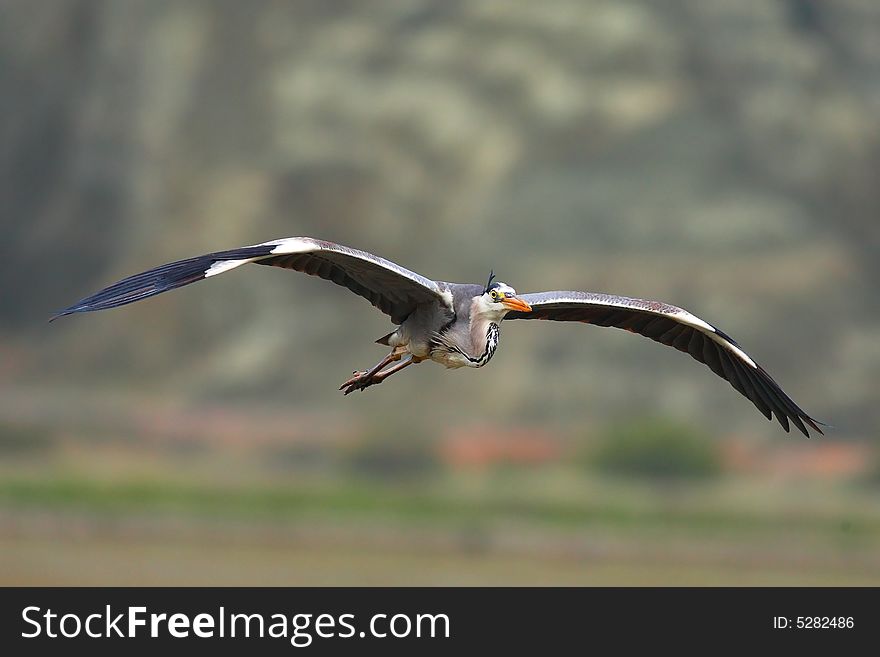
x: 458, y: 325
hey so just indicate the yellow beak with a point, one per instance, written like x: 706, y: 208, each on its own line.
x: 515, y: 303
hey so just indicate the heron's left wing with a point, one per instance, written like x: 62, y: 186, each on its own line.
x: 677, y: 328
x: 393, y: 289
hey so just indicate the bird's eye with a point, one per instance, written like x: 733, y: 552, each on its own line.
x: 494, y: 295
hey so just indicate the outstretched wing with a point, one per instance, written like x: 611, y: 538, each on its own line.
x: 677, y: 328
x: 394, y: 290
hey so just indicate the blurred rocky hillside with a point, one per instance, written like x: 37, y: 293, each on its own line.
x: 723, y: 156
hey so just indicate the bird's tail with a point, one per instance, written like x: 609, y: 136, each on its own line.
x: 166, y: 277
x: 386, y: 339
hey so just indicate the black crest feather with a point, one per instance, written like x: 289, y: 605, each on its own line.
x: 489, y: 282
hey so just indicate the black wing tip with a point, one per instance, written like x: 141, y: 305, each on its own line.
x: 790, y: 410
x: 815, y: 424
x: 67, y: 311
x: 161, y: 279
x: 799, y: 421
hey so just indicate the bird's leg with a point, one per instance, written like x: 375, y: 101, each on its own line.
x: 379, y: 377
x: 384, y: 374
x: 361, y: 377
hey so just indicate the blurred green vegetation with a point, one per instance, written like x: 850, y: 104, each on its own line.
x: 657, y: 449
x: 872, y: 476
x: 17, y: 440
x: 107, y: 516
x: 337, y: 499
x: 384, y: 453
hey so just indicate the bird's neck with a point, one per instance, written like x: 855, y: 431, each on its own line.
x: 485, y: 336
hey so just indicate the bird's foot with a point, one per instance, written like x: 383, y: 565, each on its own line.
x: 356, y: 377
x: 362, y: 380
x: 359, y: 381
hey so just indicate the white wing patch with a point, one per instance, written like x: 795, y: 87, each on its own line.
x: 692, y: 320
x: 282, y: 247
x: 739, y: 352
x: 225, y: 265
x: 291, y: 245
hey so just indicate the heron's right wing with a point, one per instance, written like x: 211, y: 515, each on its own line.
x: 393, y: 289
x: 677, y: 328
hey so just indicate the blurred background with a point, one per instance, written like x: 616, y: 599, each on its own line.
x: 719, y: 156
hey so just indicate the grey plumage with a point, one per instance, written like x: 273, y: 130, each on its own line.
x: 394, y: 290
x: 458, y: 325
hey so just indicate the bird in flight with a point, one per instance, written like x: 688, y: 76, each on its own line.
x: 458, y: 325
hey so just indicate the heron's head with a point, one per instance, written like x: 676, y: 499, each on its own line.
x: 499, y: 298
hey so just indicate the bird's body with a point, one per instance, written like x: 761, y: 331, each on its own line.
x: 455, y: 334
x: 459, y: 325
